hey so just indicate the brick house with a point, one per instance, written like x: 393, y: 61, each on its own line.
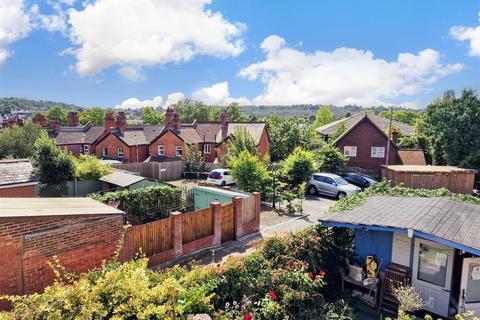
x: 138, y: 143
x: 17, y: 179
x: 81, y: 232
x: 364, y: 141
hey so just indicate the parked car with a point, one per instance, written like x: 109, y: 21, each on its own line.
x: 360, y: 180
x: 331, y: 185
x: 220, y: 177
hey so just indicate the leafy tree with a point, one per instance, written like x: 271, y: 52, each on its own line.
x: 236, y: 113
x: 330, y: 159
x: 242, y: 141
x: 17, y: 141
x: 195, y: 161
x: 341, y: 128
x: 298, y: 167
x: 53, y: 165
x: 402, y: 115
x: 190, y: 110
x: 57, y: 112
x: 150, y: 116
x: 324, y: 116
x: 452, y: 127
x: 89, y: 167
x: 94, y: 116
x: 248, y: 171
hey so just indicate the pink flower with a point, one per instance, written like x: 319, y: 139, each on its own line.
x: 321, y: 273
x: 247, y: 317
x: 310, y: 274
x: 273, y: 295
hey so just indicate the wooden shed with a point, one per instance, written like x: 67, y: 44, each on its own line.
x: 455, y: 179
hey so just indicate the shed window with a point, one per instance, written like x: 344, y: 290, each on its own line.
x: 432, y: 265
x: 120, y: 152
x: 378, y: 152
x: 86, y: 149
x: 161, y: 150
x: 207, y: 148
x: 178, y: 151
x: 350, y: 151
x: 104, y: 151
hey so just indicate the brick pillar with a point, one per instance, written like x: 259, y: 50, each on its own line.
x: 177, y: 235
x: 216, y: 208
x: 256, y: 195
x: 238, y: 216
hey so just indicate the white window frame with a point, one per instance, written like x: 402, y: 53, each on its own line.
x: 162, y: 149
x: 378, y: 152
x: 86, y: 149
x: 104, y: 151
x: 120, y: 152
x: 350, y: 151
x: 207, y: 149
x: 178, y: 151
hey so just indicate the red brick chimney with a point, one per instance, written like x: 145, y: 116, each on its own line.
x: 40, y: 120
x: 121, y: 122
x: 224, y: 119
x: 176, y: 122
x: 169, y: 116
x: 55, y: 124
x: 72, y: 119
x: 394, y: 136
x: 109, y: 121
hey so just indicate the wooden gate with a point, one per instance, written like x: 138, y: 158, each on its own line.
x: 228, y: 223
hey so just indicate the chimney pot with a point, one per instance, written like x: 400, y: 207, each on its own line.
x: 121, y: 122
x: 73, y: 119
x: 55, y: 124
x: 109, y: 121
x: 394, y: 136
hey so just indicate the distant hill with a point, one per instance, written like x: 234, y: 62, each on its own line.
x: 11, y: 103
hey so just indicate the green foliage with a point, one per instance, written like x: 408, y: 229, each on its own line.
x: 248, y: 171
x: 95, y: 116
x: 11, y: 103
x: 330, y: 159
x: 154, y: 202
x: 189, y: 110
x: 57, y: 112
x: 195, y: 161
x: 236, y: 114
x: 383, y: 189
x: 53, y: 165
x: 17, y: 141
x: 323, y: 116
x: 341, y: 128
x: 89, y: 167
x: 402, y: 115
x: 150, y: 116
x: 298, y: 167
x: 242, y: 141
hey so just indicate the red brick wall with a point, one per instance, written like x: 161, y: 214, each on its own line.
x: 170, y: 141
x: 209, y: 157
x: 264, y: 144
x: 18, y: 192
x: 75, y: 149
x: 130, y: 153
x: 28, y: 243
x: 365, y: 136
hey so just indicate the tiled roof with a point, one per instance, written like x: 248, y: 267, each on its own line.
x: 16, y: 172
x: 139, y: 135
x: 254, y: 128
x: 77, y: 135
x: 412, y: 156
x: 454, y: 221
x: 208, y: 131
x: 189, y: 135
x: 381, y: 122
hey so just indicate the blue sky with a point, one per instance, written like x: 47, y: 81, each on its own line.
x: 253, y: 52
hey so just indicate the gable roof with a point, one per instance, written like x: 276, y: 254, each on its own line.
x: 254, y: 128
x: 86, y: 134
x: 138, y: 135
x: 382, y: 123
x: 439, y: 219
x: 17, y: 171
x: 412, y: 156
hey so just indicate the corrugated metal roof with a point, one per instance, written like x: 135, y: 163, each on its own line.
x: 121, y: 179
x: 443, y: 218
x: 38, y: 207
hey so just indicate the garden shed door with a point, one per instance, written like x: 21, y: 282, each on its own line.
x: 470, y: 286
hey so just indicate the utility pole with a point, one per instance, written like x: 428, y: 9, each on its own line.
x: 389, y: 135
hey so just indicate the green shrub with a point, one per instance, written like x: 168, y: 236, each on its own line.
x: 89, y: 167
x: 298, y: 167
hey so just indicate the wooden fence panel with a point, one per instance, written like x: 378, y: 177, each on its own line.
x: 248, y: 213
x: 153, y: 238
x: 197, y: 225
x: 228, y: 223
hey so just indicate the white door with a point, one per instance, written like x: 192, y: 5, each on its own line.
x: 401, y: 249
x: 432, y: 274
x: 470, y: 286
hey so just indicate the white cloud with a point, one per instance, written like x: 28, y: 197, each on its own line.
x: 173, y: 98
x: 134, y: 103
x: 14, y: 25
x: 462, y: 33
x: 343, y: 76
x: 147, y: 33
x: 218, y: 94
x: 131, y: 73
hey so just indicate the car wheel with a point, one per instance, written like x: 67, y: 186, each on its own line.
x: 312, y: 190
x: 341, y: 195
x: 224, y: 183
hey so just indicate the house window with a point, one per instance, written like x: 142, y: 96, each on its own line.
x: 432, y: 265
x: 206, y: 148
x: 120, y: 152
x: 178, y: 151
x: 104, y: 151
x: 86, y: 149
x: 350, y: 151
x: 161, y: 150
x: 378, y: 152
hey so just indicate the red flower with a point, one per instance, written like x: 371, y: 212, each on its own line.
x: 273, y: 295
x: 310, y: 274
x: 321, y: 273
x: 247, y: 317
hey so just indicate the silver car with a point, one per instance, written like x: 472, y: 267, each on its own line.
x: 330, y: 184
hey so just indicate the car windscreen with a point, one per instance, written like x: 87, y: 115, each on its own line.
x: 370, y: 180
x: 341, y: 181
x: 215, y: 175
